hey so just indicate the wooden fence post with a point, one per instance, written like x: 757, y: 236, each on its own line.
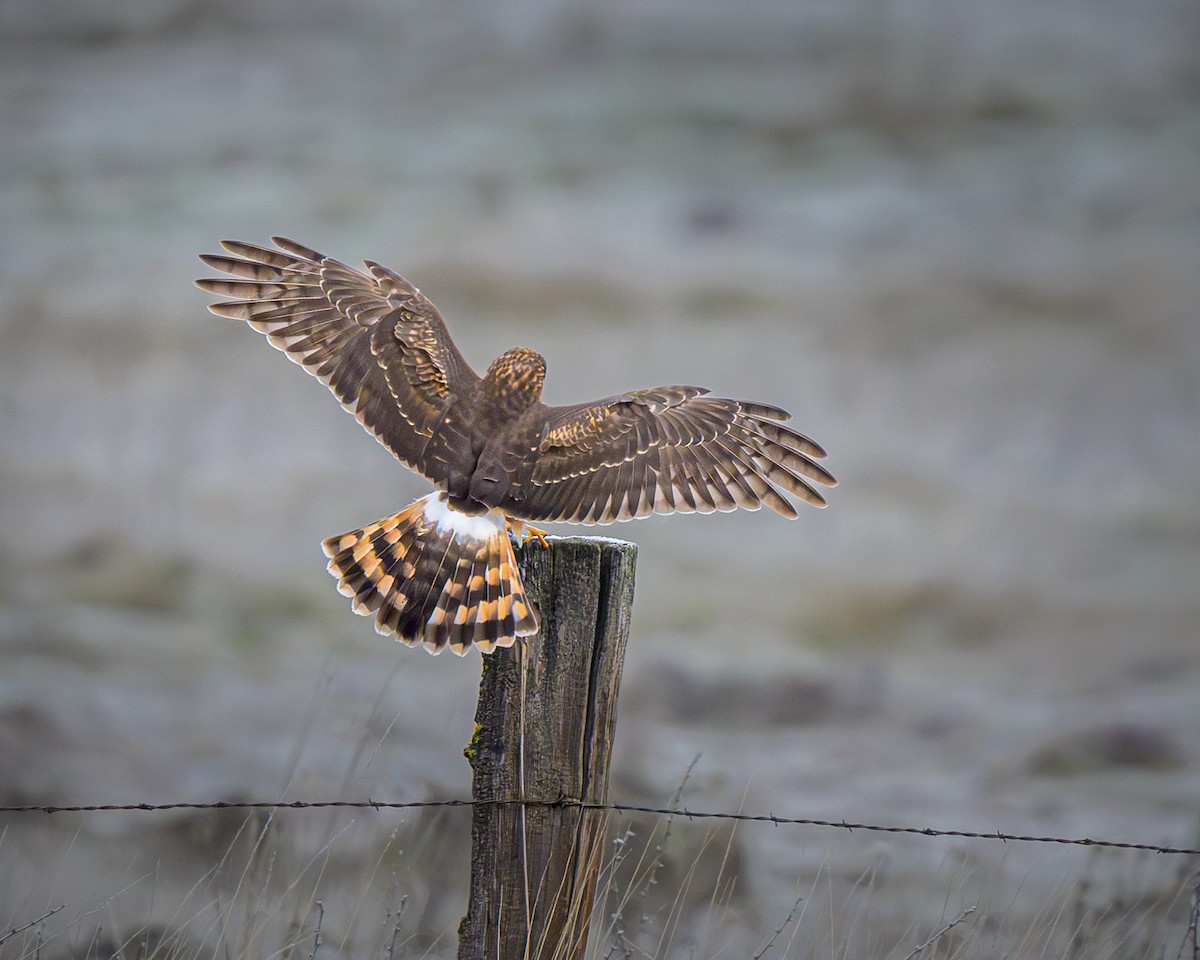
x: 544, y: 730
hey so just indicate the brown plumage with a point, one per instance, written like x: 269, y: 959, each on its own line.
x: 442, y: 571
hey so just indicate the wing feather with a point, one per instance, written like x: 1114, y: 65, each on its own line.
x: 720, y: 482
x: 695, y: 481
x: 667, y: 450
x: 373, y: 338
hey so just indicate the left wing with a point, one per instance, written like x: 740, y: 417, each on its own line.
x: 376, y: 341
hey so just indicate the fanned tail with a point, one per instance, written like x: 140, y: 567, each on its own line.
x: 434, y: 576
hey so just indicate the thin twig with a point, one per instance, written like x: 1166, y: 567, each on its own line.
x: 32, y: 923
x: 656, y: 859
x: 317, y: 933
x: 779, y: 930
x: 396, y: 929
x: 1193, y: 928
x: 650, y: 878
x: 953, y: 923
x: 1194, y: 922
x: 621, y: 845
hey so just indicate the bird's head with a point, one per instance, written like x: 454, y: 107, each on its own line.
x: 514, y: 380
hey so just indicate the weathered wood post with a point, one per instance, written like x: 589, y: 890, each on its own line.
x: 544, y: 730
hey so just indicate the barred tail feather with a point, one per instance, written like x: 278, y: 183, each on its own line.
x: 434, y: 576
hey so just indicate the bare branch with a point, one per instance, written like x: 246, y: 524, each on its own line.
x: 317, y: 933
x: 32, y: 923
x: 953, y: 923
x: 783, y: 926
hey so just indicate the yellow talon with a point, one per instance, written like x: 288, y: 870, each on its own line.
x: 526, y: 532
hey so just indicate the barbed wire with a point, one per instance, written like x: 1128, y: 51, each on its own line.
x: 566, y: 802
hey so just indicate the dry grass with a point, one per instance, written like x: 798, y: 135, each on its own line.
x: 668, y: 889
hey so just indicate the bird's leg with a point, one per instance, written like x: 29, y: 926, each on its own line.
x: 526, y: 531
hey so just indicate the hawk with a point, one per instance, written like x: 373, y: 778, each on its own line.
x: 442, y: 572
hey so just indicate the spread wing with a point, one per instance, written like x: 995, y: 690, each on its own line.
x: 666, y: 450
x: 375, y: 340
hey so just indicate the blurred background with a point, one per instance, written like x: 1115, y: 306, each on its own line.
x: 960, y: 241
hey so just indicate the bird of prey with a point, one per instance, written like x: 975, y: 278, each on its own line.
x: 442, y: 571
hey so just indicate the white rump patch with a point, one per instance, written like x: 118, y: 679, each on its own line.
x: 460, y: 525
